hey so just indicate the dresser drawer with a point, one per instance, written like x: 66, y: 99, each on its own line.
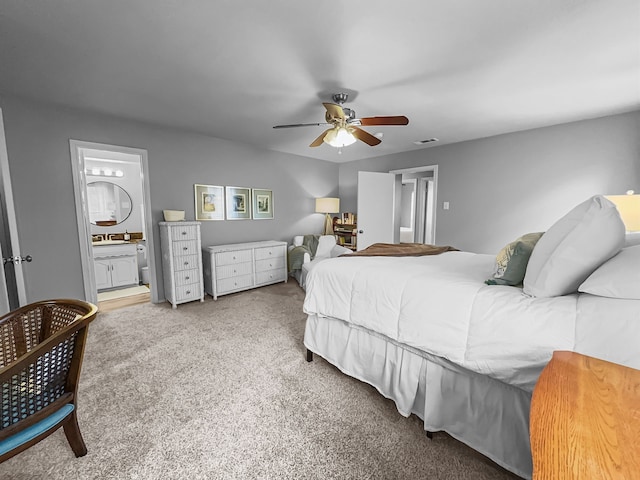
x: 184, y: 232
x: 270, y: 276
x: 236, y: 256
x: 234, y: 283
x: 185, y: 247
x: 186, y: 262
x: 235, y: 270
x: 269, y: 264
x: 269, y: 252
x: 188, y: 292
x: 187, y: 277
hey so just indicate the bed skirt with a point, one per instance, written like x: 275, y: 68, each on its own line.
x: 488, y: 415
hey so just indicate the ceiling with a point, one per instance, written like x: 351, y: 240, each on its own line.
x: 459, y: 69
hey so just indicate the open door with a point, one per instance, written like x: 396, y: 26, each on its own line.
x: 376, y: 208
x: 12, y: 287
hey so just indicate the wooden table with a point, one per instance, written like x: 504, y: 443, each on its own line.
x: 585, y: 420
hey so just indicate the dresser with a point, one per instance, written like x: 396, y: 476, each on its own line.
x: 585, y: 420
x: 181, y: 262
x: 241, y: 266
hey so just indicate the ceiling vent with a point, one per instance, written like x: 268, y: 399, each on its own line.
x: 429, y: 140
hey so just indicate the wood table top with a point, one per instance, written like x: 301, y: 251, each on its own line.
x: 585, y: 420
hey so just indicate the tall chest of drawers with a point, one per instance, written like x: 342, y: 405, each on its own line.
x: 241, y: 266
x: 181, y: 262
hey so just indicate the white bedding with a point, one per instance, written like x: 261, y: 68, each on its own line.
x: 439, y: 304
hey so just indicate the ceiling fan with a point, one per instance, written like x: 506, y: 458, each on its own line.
x: 345, y: 127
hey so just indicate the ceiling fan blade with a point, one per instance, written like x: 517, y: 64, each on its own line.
x: 333, y: 111
x: 393, y: 120
x: 301, y: 125
x: 366, y: 137
x: 318, y: 141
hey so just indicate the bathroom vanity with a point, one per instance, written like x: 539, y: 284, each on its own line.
x: 116, y: 265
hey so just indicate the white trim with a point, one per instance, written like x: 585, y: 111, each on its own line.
x: 11, y: 215
x: 426, y: 168
x: 82, y: 214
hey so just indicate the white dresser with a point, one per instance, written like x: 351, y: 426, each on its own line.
x: 241, y: 266
x: 181, y: 262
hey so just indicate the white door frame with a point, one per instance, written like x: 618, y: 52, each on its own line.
x: 82, y: 213
x: 427, y: 168
x: 6, y: 194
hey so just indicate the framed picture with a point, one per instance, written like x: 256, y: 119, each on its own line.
x: 238, y: 203
x: 209, y: 202
x: 262, y: 204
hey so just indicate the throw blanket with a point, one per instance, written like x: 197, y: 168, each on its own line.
x: 296, y: 254
x: 401, y: 250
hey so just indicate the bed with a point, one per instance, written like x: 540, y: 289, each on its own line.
x: 464, y: 356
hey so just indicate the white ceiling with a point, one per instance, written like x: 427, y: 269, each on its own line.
x: 459, y: 69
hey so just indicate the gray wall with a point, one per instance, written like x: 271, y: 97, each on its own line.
x: 502, y: 187
x: 39, y: 159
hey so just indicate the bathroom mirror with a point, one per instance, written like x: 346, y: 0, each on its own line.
x: 109, y: 204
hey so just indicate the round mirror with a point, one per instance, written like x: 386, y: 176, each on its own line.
x: 109, y: 204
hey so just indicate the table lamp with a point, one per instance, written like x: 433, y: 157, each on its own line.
x: 629, y: 208
x: 327, y: 205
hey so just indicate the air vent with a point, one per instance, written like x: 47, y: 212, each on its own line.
x: 429, y: 140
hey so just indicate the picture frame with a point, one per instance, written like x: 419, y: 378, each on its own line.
x: 238, y: 203
x: 262, y: 204
x: 209, y: 202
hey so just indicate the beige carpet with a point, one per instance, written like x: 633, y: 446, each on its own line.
x: 221, y: 390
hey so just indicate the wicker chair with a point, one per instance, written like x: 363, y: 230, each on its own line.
x: 41, y: 349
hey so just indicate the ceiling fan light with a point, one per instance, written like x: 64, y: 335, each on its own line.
x: 339, y: 137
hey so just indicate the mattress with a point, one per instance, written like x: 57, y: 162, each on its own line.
x: 440, y: 305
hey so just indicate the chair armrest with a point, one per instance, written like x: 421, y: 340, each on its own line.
x: 339, y: 250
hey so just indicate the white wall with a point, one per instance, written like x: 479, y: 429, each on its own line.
x: 39, y: 159
x: 501, y: 187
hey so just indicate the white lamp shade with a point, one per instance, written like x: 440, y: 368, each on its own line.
x: 327, y: 205
x: 629, y: 209
x: 339, y: 137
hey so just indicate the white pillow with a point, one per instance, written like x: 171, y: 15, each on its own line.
x: 573, y: 248
x: 325, y: 244
x: 618, y: 277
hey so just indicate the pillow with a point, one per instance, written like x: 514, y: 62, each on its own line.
x: 573, y: 248
x: 325, y: 244
x: 511, y: 261
x: 618, y: 277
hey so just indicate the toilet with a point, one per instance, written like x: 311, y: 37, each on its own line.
x: 145, y: 275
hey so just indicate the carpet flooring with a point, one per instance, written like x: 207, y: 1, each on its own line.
x: 221, y: 390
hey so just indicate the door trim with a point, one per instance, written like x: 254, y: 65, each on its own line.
x: 82, y: 214
x: 426, y: 168
x: 9, y: 208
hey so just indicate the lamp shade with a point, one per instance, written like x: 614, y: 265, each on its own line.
x: 629, y: 208
x: 327, y: 205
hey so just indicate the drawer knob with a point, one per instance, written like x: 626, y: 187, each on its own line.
x: 186, y: 278
x: 270, y: 252
x: 234, y: 257
x: 188, y: 292
x: 185, y: 248
x: 234, y: 271
x: 270, y: 265
x: 184, y: 233
x: 186, y: 263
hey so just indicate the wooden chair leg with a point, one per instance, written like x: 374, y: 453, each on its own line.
x: 74, y: 437
x: 429, y: 435
x: 309, y: 355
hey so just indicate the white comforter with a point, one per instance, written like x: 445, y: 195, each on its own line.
x: 439, y: 304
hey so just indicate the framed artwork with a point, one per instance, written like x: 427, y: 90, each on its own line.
x: 238, y: 203
x: 209, y: 202
x: 262, y: 204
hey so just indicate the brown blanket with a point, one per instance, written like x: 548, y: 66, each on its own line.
x: 400, y: 250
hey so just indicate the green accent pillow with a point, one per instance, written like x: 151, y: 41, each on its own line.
x: 512, y: 260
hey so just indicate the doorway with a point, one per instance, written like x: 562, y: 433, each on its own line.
x: 115, y: 230
x: 420, y: 183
